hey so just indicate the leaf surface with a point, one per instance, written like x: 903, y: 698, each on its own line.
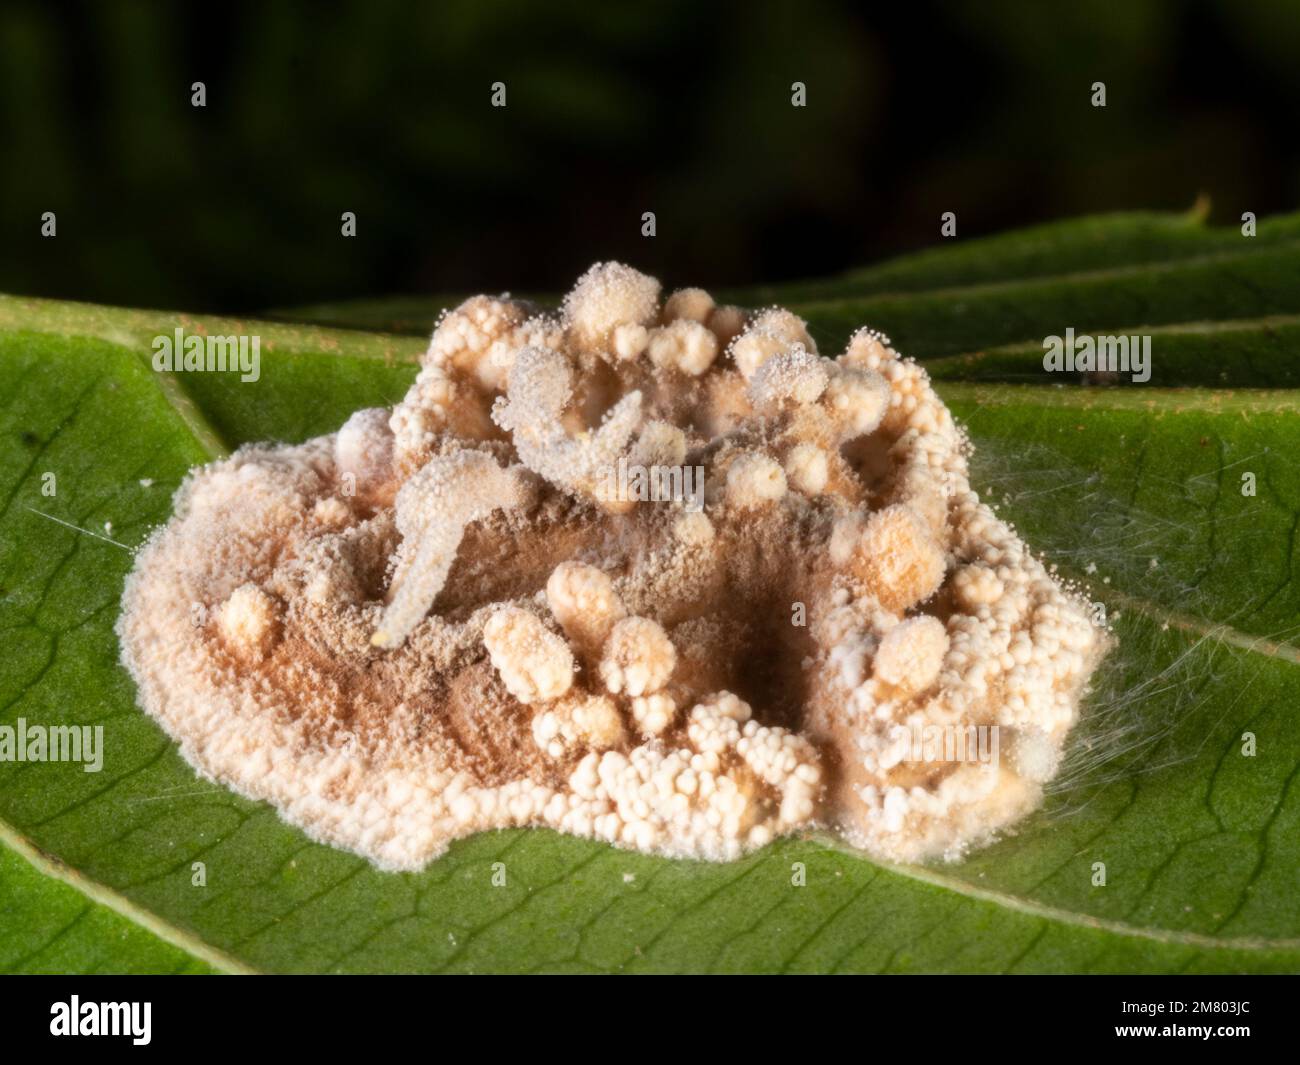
x: 1135, y: 490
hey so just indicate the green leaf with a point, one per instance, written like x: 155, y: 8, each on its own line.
x: 1136, y: 490
x: 1234, y: 353
x: 1222, y: 285
x: 1077, y: 246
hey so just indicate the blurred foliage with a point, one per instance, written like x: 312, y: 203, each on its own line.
x: 674, y: 107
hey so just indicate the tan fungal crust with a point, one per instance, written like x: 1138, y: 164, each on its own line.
x: 456, y: 615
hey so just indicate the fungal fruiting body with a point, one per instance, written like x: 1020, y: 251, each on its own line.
x: 448, y: 617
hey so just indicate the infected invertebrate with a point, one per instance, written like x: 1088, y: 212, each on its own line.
x: 440, y: 620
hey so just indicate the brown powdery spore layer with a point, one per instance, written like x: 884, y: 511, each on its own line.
x: 452, y: 616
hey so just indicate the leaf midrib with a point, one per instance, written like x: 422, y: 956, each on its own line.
x: 57, y: 869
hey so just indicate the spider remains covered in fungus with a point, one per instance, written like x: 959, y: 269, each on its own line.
x: 443, y: 618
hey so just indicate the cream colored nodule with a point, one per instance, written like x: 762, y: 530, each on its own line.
x: 454, y: 616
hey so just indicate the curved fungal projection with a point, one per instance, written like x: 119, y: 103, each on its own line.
x: 654, y: 571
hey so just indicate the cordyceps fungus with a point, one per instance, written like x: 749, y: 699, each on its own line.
x: 477, y: 610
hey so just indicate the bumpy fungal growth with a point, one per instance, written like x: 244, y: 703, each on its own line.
x: 754, y: 479
x: 247, y: 622
x: 539, y: 390
x: 911, y: 653
x: 638, y: 657
x: 584, y: 602
x: 791, y: 376
x: 659, y: 574
x: 535, y: 664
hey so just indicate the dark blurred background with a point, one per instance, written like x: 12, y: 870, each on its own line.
x: 681, y: 108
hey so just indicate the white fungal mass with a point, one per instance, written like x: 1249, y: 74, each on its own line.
x: 441, y: 619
